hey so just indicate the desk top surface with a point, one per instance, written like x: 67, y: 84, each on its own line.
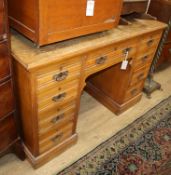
x: 27, y: 54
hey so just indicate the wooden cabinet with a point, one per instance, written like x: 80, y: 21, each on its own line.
x: 50, y: 21
x: 9, y: 136
x: 50, y: 81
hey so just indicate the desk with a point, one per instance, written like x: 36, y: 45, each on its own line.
x: 50, y: 80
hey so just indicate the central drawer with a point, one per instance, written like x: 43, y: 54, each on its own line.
x: 99, y: 59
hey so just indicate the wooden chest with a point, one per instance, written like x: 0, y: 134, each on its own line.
x: 50, y: 81
x: 49, y: 21
x: 9, y: 138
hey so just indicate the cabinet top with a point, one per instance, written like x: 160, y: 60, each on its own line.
x: 31, y: 57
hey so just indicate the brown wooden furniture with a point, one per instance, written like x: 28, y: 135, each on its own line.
x: 162, y: 10
x: 50, y: 81
x: 50, y: 21
x: 9, y: 139
x: 130, y: 6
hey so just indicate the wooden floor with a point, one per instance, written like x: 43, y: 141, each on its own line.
x: 96, y: 124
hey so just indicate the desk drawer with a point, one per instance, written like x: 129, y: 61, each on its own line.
x: 60, y: 73
x: 57, y: 95
x: 4, y: 62
x: 133, y: 91
x: 55, y: 137
x: 148, y: 46
x: 6, y: 99
x: 139, y: 75
x: 98, y: 60
x: 143, y: 60
x: 57, y: 118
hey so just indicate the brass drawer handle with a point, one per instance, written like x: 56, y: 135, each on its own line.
x: 56, y: 119
x: 134, y: 92
x: 150, y: 42
x: 59, y: 97
x: 145, y: 58
x: 61, y: 76
x: 57, y: 138
x: 141, y: 76
x: 127, y: 50
x: 101, y: 60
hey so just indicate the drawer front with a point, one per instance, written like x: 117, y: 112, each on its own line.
x: 95, y: 64
x: 7, y: 132
x: 149, y: 45
x: 133, y: 91
x: 142, y: 60
x: 57, y: 95
x: 2, y: 20
x: 4, y: 62
x: 57, y: 118
x: 139, y: 75
x: 6, y: 99
x: 60, y: 73
x: 55, y: 137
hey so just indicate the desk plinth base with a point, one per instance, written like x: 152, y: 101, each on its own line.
x: 36, y: 162
x: 109, y: 102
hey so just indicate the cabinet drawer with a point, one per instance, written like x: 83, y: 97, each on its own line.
x: 4, y: 62
x: 139, y: 75
x: 151, y: 36
x: 7, y: 132
x: 94, y: 64
x: 148, y: 46
x: 58, y: 118
x: 142, y: 60
x: 2, y: 20
x: 59, y: 74
x: 57, y: 95
x: 55, y: 137
x: 133, y: 91
x: 6, y: 98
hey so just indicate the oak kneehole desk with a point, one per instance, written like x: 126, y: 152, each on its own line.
x: 50, y: 79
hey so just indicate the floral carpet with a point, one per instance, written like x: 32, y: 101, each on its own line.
x: 142, y: 148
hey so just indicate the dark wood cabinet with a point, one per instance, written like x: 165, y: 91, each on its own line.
x: 49, y: 21
x: 10, y: 140
x: 161, y: 9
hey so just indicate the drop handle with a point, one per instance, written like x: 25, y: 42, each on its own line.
x: 145, y: 58
x: 150, y: 42
x: 101, y: 60
x: 127, y: 50
x: 59, y: 97
x: 57, y: 119
x: 57, y: 138
x: 140, y: 76
x: 61, y: 76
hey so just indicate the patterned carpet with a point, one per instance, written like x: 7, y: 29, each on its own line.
x: 142, y: 148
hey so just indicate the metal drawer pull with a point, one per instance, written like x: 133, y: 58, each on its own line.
x: 56, y: 119
x: 150, y: 42
x: 101, y: 60
x: 145, y: 58
x: 127, y: 50
x: 134, y: 92
x: 61, y: 76
x: 59, y: 97
x: 57, y: 138
x: 141, y: 76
